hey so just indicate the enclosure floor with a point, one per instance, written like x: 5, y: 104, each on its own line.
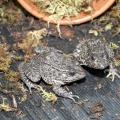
x: 95, y: 88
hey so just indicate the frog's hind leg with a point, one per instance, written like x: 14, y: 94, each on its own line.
x: 60, y: 91
x: 24, y: 78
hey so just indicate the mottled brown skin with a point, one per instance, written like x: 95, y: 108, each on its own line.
x: 54, y: 67
x: 96, y: 54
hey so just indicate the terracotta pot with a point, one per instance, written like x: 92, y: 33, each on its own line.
x: 99, y: 6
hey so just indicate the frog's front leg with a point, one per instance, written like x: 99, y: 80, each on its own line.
x: 60, y: 91
x: 28, y: 83
x: 113, y: 72
x: 25, y: 79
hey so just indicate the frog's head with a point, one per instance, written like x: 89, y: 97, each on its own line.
x: 98, y: 60
x: 98, y: 54
x: 93, y: 53
x: 73, y: 73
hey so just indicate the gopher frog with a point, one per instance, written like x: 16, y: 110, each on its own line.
x: 96, y: 54
x: 54, y: 67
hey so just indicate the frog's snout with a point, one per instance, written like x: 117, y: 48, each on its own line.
x: 82, y: 74
x: 102, y: 66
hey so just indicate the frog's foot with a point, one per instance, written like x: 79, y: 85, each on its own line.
x: 63, y: 93
x: 113, y: 72
x: 31, y: 86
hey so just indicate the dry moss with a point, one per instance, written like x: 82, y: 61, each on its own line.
x: 9, y: 13
x: 5, y: 106
x: 117, y: 61
x: 5, y: 58
x: 12, y: 75
x: 58, y: 9
x: 5, y: 63
x: 47, y: 96
x: 113, y: 46
x: 110, y: 21
x: 32, y: 40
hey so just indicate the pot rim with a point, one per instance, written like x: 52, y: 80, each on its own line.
x: 81, y: 18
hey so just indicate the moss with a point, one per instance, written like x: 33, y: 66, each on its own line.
x: 47, y: 96
x: 32, y: 40
x: 5, y: 63
x: 58, y: 9
x: 9, y: 13
x: 5, y: 106
x: 12, y: 75
x: 5, y: 59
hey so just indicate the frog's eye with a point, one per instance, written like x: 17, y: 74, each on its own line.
x: 72, y: 73
x: 93, y: 58
x: 103, y: 56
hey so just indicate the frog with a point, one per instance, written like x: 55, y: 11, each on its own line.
x: 54, y: 67
x: 97, y: 54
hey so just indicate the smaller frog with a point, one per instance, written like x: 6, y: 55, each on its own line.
x: 96, y: 54
x: 54, y: 67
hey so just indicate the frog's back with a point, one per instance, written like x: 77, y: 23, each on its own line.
x: 53, y: 57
